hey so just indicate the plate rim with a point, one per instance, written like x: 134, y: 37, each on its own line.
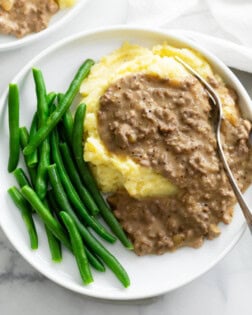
x: 30, y: 38
x: 99, y: 30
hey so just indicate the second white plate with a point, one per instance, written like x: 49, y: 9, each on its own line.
x: 63, y: 16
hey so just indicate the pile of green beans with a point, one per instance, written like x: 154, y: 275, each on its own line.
x: 59, y: 187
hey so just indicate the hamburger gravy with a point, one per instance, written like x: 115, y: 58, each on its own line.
x: 27, y: 16
x: 167, y: 125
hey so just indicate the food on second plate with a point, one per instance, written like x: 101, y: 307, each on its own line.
x: 151, y: 144
x: 22, y: 17
x: 6, y: 4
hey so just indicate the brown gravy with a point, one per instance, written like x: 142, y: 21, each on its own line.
x: 27, y: 16
x: 168, y: 126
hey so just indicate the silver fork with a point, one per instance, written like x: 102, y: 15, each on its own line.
x: 218, y: 105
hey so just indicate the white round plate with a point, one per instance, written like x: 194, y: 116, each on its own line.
x: 151, y: 275
x: 8, y: 42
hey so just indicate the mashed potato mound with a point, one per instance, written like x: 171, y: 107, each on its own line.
x: 114, y: 172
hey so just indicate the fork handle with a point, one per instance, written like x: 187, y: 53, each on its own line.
x: 244, y: 207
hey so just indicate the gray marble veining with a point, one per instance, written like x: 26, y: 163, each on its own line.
x: 13, y: 267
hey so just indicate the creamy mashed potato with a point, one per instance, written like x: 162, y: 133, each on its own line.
x: 66, y: 3
x: 6, y: 4
x: 114, y: 172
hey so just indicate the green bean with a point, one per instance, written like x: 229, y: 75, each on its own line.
x: 21, y: 177
x: 53, y: 242
x: 54, y: 246
x: 44, y: 161
x: 89, y: 180
x: 44, y: 150
x: 53, y: 204
x: 93, y: 260
x: 78, y: 248
x: 60, y: 97
x: 50, y: 97
x: 66, y: 102
x: 32, y: 159
x: 67, y: 121
x: 89, y: 239
x: 42, y: 105
x: 76, y: 180
x: 24, y: 137
x: 43, y: 212
x: 13, y: 111
x: 25, y: 210
x: 73, y: 195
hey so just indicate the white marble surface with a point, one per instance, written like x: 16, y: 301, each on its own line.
x: 226, y: 289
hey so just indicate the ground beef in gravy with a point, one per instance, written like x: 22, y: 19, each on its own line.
x: 27, y: 16
x: 168, y: 126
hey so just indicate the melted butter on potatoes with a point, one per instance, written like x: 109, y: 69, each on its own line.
x: 115, y: 172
